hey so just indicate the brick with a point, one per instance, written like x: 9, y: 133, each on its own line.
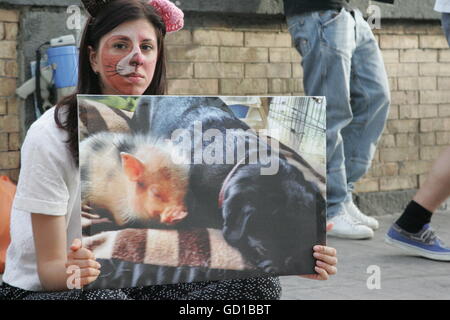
x: 388, y: 28
x: 8, y: 49
x: 284, y: 55
x: 7, y: 87
x: 434, y: 69
x: 9, y: 124
x: 180, y: 70
x: 367, y: 185
x: 219, y: 70
x: 11, y: 30
x: 433, y: 96
x: 444, y: 83
x: 417, y: 83
x: 2, y: 68
x: 3, y: 106
x: 243, y: 86
x: 384, y: 169
x: 404, y: 97
x: 431, y: 152
x: 426, y: 28
x: 390, y: 56
x: 433, y: 41
x: 252, y: 55
x: 4, y: 142
x: 193, y: 86
x: 418, y: 55
x: 430, y: 125
x: 11, y: 69
x: 387, y: 141
x: 444, y: 55
x: 402, y: 69
x: 14, y: 141
x: 393, y: 84
x: 399, y: 41
x: 193, y: 54
x: 269, y: 40
x: 218, y: 38
x: 427, y: 139
x: 13, y: 106
x: 182, y: 37
x: 407, y: 139
x: 9, y: 15
x: 418, y: 111
x: 393, y: 112
x: 281, y: 86
x: 443, y: 138
x: 9, y: 160
x: 422, y: 179
x: 398, y: 183
x: 444, y: 110
x: 268, y: 70
x: 297, y: 70
x: 399, y: 154
x: 2, y: 31
x: 414, y: 167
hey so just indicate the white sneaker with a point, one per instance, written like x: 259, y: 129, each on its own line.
x: 357, y: 215
x: 344, y: 226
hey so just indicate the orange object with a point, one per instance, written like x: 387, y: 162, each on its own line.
x: 7, y: 192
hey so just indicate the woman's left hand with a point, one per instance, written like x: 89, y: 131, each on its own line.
x: 326, y: 261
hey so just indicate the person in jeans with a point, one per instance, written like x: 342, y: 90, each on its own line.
x: 412, y: 232
x: 342, y: 61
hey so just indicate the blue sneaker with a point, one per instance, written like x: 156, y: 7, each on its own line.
x: 424, y: 243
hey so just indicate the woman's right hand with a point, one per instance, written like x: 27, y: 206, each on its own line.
x: 84, y: 259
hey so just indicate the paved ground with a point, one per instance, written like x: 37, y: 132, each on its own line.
x: 401, y: 276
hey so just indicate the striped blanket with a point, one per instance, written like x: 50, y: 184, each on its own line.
x: 174, y: 248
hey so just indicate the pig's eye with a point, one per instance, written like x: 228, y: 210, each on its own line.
x: 141, y: 185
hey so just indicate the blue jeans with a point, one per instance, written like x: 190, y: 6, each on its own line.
x: 342, y: 61
x: 446, y: 25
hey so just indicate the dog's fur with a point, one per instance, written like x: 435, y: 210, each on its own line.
x: 265, y: 216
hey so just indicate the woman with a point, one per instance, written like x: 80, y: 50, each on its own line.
x: 121, y: 52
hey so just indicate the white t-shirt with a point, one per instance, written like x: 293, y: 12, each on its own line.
x: 442, y: 6
x: 48, y: 184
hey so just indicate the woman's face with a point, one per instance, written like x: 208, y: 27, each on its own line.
x: 126, y: 58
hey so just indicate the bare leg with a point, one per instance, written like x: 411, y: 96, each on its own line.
x: 437, y: 185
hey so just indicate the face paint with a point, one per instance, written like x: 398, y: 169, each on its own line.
x: 127, y: 59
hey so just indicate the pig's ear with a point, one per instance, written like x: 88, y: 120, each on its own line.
x: 178, y: 216
x: 173, y: 215
x: 132, y: 166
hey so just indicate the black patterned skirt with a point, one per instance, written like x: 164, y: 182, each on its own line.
x: 267, y: 288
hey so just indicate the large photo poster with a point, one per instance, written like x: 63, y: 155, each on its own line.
x: 184, y: 189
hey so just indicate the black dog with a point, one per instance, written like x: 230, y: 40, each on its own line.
x: 274, y: 220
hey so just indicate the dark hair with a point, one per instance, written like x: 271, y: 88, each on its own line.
x: 113, y: 15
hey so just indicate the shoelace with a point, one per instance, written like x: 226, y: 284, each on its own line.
x: 428, y: 236
x: 351, y: 220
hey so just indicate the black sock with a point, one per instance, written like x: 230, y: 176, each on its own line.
x: 414, y: 217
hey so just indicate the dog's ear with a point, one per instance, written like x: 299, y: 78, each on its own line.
x: 236, y: 216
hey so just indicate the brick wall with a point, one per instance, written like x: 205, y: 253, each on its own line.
x: 242, y: 55
x: 9, y: 112
x: 261, y: 61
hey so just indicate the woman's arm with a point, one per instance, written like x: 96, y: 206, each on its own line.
x: 52, y: 257
x: 51, y: 254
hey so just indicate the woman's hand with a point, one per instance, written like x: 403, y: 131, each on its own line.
x: 326, y: 261
x: 84, y: 259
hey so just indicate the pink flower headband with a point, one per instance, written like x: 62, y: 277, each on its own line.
x: 172, y: 16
